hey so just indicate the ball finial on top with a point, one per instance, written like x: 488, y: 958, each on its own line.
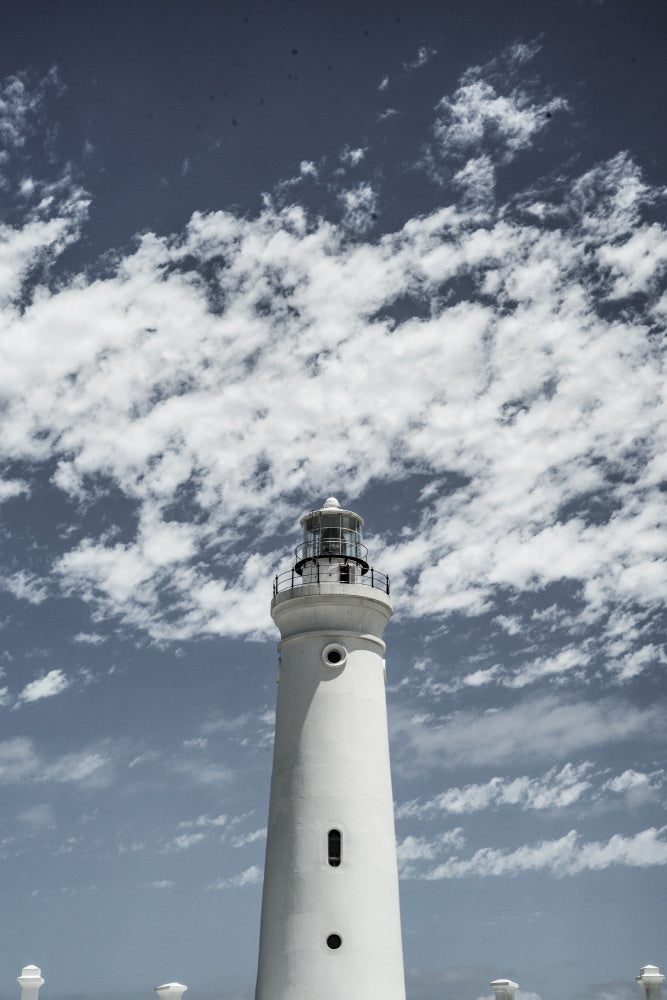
x: 331, y: 502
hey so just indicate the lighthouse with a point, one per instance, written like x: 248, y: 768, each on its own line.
x: 330, y: 926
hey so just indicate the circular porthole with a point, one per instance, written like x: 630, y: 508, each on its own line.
x: 334, y: 655
x: 334, y: 941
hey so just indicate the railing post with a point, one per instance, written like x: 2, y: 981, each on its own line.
x: 372, y: 577
x: 387, y: 585
x: 292, y: 587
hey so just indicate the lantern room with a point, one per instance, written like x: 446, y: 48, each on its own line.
x: 333, y: 535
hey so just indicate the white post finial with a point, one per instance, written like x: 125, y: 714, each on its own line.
x: 504, y: 989
x: 171, y: 991
x: 650, y: 980
x: 30, y: 981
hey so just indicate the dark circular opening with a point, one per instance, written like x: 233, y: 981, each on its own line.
x: 334, y: 656
x: 334, y: 941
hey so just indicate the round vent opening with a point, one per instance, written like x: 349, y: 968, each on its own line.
x: 334, y: 941
x: 334, y: 655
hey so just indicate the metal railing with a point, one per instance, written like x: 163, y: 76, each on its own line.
x: 292, y: 580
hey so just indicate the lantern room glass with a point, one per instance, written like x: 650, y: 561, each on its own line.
x: 332, y: 533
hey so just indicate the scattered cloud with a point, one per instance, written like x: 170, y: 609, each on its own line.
x: 45, y: 687
x: 197, y: 743
x: 352, y: 157
x: 248, y: 838
x: 11, y: 488
x: 424, y: 55
x: 537, y: 728
x: 20, y: 761
x: 557, y: 788
x: 205, y: 821
x: 90, y: 638
x: 251, y: 876
x: 186, y: 840
x: 25, y: 586
x: 91, y: 768
x: 567, y: 855
x: 360, y: 207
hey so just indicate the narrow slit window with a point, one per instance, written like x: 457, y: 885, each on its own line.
x: 335, y: 846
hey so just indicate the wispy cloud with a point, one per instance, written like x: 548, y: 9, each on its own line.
x: 21, y: 761
x: 205, y: 821
x: 556, y: 788
x: 537, y: 728
x: 45, y: 687
x: 186, y: 840
x: 423, y: 55
x: 248, y: 838
x: 251, y: 876
x: 567, y: 855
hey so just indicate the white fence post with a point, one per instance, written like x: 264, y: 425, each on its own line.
x: 650, y: 980
x: 30, y: 981
x: 504, y: 989
x: 170, y: 991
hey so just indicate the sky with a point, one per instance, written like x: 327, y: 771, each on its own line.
x: 411, y: 255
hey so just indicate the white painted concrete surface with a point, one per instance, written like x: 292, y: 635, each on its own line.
x: 331, y: 771
x: 650, y: 981
x: 30, y: 981
x: 171, y: 991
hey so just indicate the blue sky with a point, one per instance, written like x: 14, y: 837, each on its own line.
x: 411, y: 256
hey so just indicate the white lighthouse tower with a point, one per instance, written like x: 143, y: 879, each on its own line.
x: 330, y: 912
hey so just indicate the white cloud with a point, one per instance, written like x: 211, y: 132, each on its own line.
x: 631, y: 779
x: 91, y: 768
x: 352, y: 157
x: 422, y: 848
x: 25, y: 587
x: 484, y: 323
x: 20, y: 761
x: 477, y: 115
x: 17, y: 759
x: 10, y: 488
x: 205, y: 821
x: 249, y: 838
x: 537, y: 728
x: 90, y: 638
x: 45, y: 687
x: 424, y: 54
x: 251, y: 876
x: 557, y: 788
x: 187, y: 840
x: 164, y: 883
x: 197, y: 743
x: 564, y: 856
x: 359, y: 204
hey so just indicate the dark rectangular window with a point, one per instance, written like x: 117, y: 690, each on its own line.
x: 335, y: 846
x: 345, y: 574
